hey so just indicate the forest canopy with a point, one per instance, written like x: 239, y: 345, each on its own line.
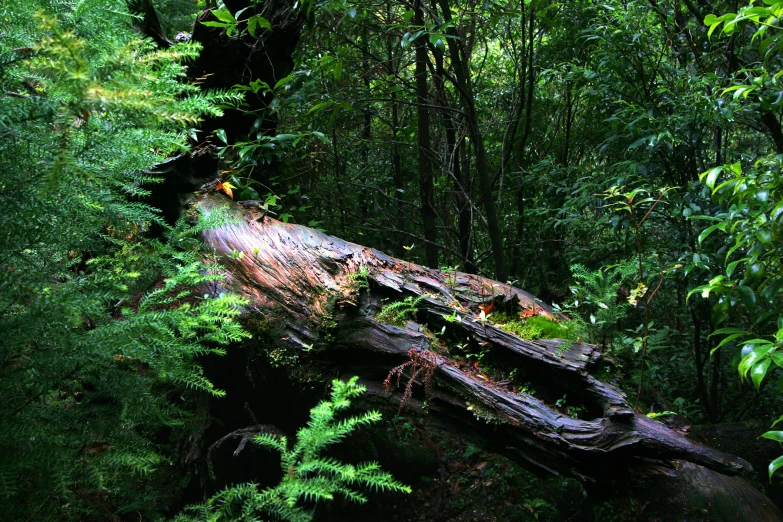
x: 620, y: 160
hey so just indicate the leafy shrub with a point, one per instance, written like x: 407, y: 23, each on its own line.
x: 100, y: 326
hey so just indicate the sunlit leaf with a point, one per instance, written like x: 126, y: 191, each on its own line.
x: 227, y: 188
x: 224, y: 15
x: 759, y: 371
x: 774, y: 466
x: 221, y: 133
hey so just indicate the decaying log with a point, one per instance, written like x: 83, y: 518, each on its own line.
x: 685, y: 491
x: 302, y: 292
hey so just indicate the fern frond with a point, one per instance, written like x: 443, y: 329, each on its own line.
x: 100, y: 322
x: 309, y: 477
x: 269, y: 441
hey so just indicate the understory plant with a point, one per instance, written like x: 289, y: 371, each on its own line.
x: 600, y: 296
x: 101, y: 325
x: 745, y: 289
x: 399, y: 311
x: 308, y: 476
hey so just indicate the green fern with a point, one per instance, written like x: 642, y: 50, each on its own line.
x: 361, y: 278
x: 100, y: 327
x: 307, y: 476
x: 598, y: 299
x: 399, y: 311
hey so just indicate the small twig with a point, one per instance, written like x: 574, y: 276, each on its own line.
x: 245, y: 434
x: 663, y: 192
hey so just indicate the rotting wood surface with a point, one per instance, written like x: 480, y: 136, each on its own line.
x: 303, y: 278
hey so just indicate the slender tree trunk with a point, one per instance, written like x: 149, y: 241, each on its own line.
x: 399, y: 181
x: 569, y: 122
x: 367, y: 127
x: 714, y: 387
x: 426, y: 188
x: 531, y: 82
x: 516, y: 267
x: 526, y: 92
x: 464, y: 205
x: 700, y: 358
x: 516, y: 116
x: 396, y: 164
x: 718, y: 146
x: 462, y: 190
x: 772, y: 124
x: 337, y: 174
x: 463, y: 83
x: 485, y: 186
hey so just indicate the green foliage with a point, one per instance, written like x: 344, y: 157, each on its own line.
x: 747, y: 290
x: 593, y: 146
x: 307, y: 476
x: 572, y: 411
x: 750, y: 228
x: 655, y: 415
x: 599, y: 296
x: 537, y: 327
x: 234, y: 23
x: 361, y: 278
x: 399, y: 311
x: 450, y: 273
x: 100, y: 326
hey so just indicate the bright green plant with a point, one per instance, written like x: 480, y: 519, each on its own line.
x: 538, y: 327
x: 655, y: 415
x: 601, y: 297
x: 235, y: 23
x: 746, y: 295
x: 101, y: 327
x: 478, y: 357
x: 361, y: 278
x: 453, y: 317
x: 307, y: 476
x: 451, y: 275
x: 571, y: 410
x: 398, y: 311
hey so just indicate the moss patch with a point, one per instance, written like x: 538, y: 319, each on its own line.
x: 536, y: 327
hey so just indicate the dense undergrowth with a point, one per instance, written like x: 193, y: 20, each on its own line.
x: 622, y: 161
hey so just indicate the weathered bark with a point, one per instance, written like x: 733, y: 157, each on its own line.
x: 303, y: 296
x: 148, y: 23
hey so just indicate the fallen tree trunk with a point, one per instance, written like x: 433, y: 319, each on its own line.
x: 315, y: 300
x: 308, y: 302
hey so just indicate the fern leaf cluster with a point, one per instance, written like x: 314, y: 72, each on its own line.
x: 100, y: 326
x: 598, y: 296
x: 398, y: 311
x: 307, y: 476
